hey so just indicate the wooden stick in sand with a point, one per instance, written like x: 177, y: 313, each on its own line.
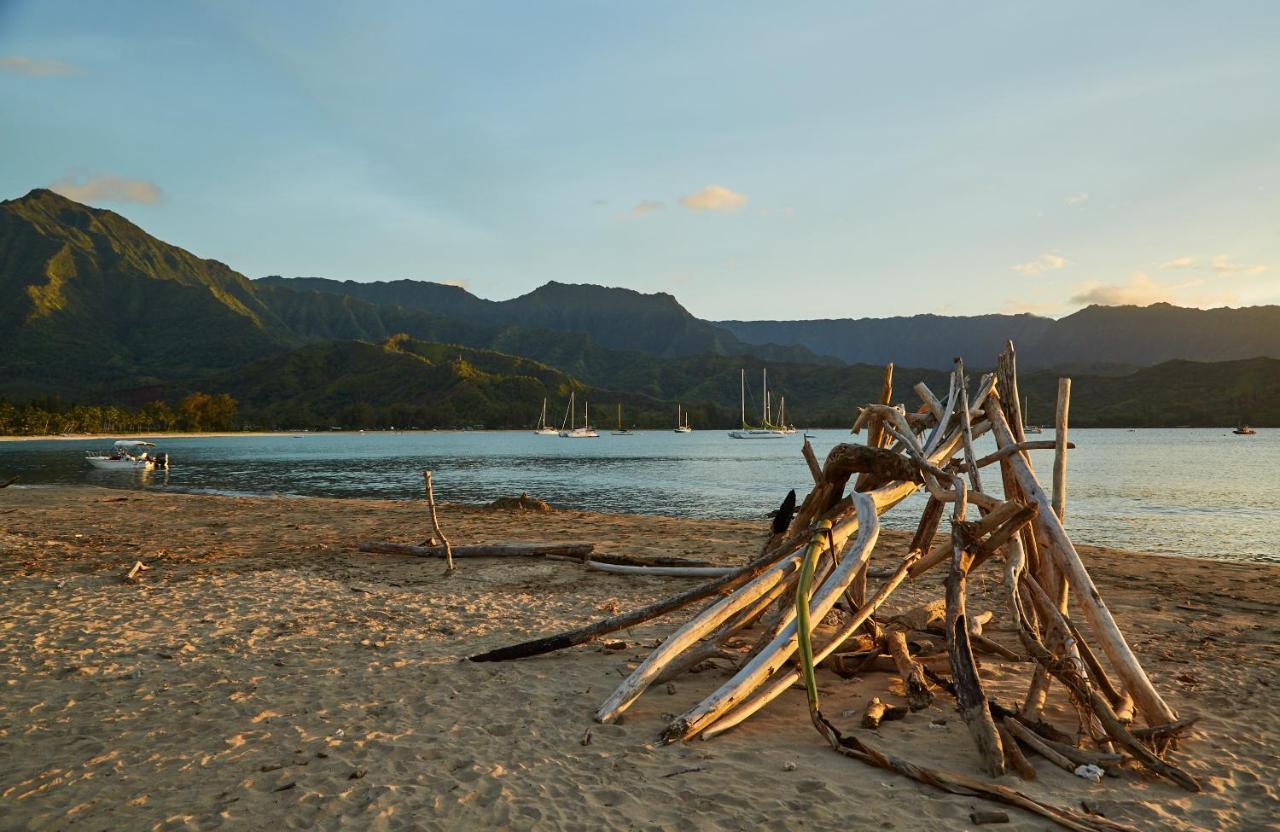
x: 1060, y: 443
x: 435, y: 523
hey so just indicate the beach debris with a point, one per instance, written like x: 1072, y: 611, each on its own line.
x: 981, y: 817
x: 576, y: 551
x: 135, y: 572
x: 522, y: 503
x: 822, y: 556
x: 9, y: 482
x: 435, y: 522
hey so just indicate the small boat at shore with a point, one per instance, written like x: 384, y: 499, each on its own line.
x: 1244, y: 430
x: 129, y: 455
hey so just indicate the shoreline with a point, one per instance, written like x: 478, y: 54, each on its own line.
x: 356, y: 431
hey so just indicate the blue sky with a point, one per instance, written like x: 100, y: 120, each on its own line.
x: 842, y: 160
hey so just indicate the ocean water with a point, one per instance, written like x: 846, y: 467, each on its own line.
x: 1194, y: 492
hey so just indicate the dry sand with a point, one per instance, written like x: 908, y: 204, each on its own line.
x: 264, y: 674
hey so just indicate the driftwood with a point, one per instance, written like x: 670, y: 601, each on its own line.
x: 918, y: 694
x: 435, y: 522
x: 764, y: 618
x: 488, y: 550
x: 135, y: 572
x: 9, y: 482
x: 876, y: 712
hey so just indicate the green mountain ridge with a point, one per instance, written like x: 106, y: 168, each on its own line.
x: 95, y: 309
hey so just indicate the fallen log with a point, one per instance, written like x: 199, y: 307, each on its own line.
x: 487, y: 550
x: 876, y: 712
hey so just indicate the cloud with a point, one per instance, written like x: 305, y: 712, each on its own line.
x: 461, y: 284
x: 1043, y: 263
x: 1077, y: 199
x: 714, y: 198
x: 36, y: 67
x: 1179, y: 263
x: 645, y: 206
x: 108, y: 189
x: 1222, y: 265
x: 1016, y: 307
x: 1141, y: 291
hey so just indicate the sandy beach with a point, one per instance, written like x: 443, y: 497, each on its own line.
x: 266, y: 674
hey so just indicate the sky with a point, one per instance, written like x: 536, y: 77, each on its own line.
x: 758, y: 160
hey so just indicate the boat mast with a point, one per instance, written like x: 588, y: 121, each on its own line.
x: 764, y: 395
x: 743, y: 397
x: 619, y: 415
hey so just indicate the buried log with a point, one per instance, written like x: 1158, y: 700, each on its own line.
x: 488, y: 550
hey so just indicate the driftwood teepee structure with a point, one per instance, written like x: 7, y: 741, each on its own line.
x: 819, y: 562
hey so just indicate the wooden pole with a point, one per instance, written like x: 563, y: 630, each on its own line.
x: 435, y: 523
x: 1060, y: 448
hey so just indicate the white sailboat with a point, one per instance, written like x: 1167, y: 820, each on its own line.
x: 682, y: 427
x: 766, y: 432
x: 584, y: 432
x: 782, y: 417
x: 543, y: 428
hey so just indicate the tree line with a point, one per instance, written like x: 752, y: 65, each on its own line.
x: 197, y: 412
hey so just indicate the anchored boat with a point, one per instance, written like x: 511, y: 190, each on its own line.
x: 766, y: 432
x: 129, y: 455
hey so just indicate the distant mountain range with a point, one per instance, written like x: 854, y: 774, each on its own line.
x: 94, y: 309
x: 1097, y: 337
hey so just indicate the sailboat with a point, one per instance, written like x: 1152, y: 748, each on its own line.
x: 782, y: 417
x: 766, y: 432
x: 543, y: 428
x: 1027, y: 427
x: 682, y: 427
x: 621, y: 431
x: 584, y: 432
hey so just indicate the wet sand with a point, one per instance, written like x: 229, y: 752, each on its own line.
x: 266, y: 674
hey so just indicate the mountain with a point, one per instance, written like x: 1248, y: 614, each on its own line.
x: 616, y: 319
x: 87, y: 298
x: 1097, y: 338
x: 916, y: 341
x: 1147, y: 335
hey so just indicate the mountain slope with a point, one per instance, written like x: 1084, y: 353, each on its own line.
x: 614, y: 318
x: 87, y: 297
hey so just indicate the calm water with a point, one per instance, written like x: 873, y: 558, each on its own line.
x: 1203, y: 493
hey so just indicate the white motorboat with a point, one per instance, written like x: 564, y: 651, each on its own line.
x: 584, y: 432
x: 129, y: 455
x: 543, y: 429
x: 682, y: 427
x: 748, y: 432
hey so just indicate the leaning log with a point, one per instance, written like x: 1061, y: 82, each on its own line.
x: 1064, y: 555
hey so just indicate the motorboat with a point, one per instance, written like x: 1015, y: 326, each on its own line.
x: 768, y: 431
x: 1244, y: 430
x: 129, y: 455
